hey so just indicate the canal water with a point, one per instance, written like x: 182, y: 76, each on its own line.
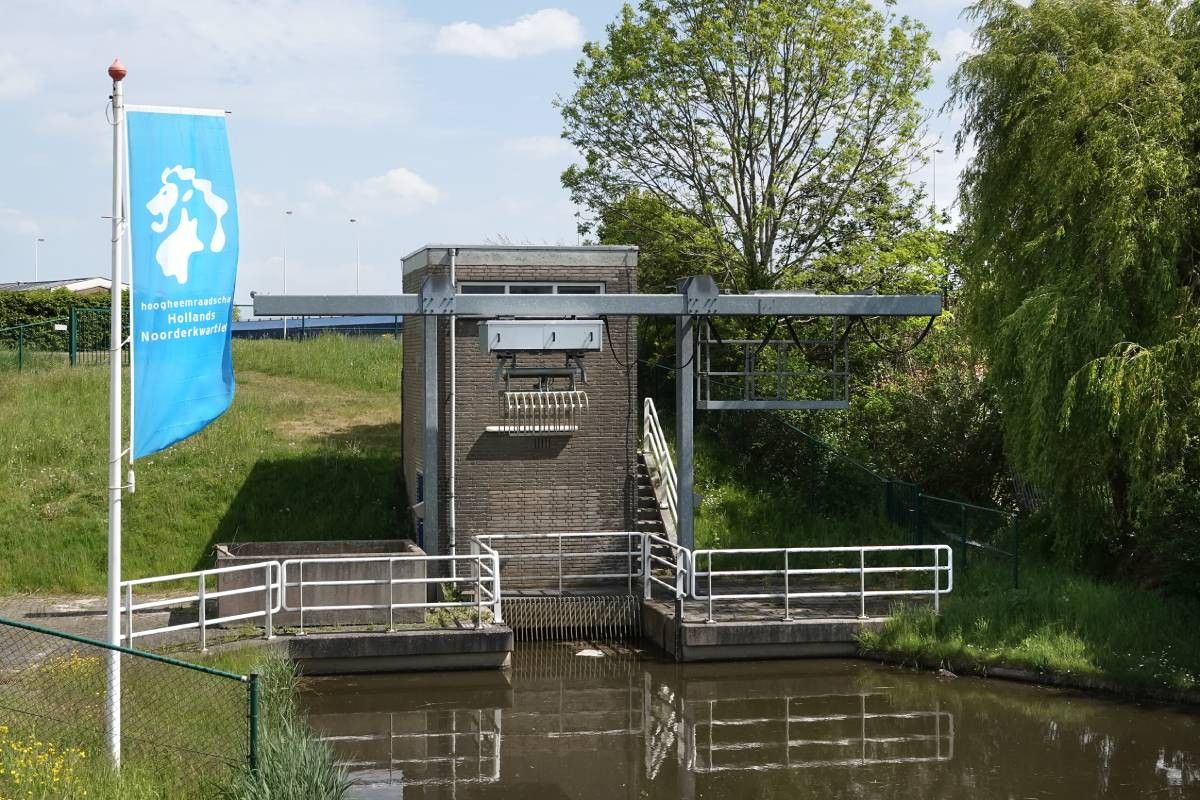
x: 561, y: 725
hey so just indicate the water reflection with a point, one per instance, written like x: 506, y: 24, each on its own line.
x: 559, y: 725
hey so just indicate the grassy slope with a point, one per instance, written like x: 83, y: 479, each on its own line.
x: 309, y: 450
x: 1058, y: 621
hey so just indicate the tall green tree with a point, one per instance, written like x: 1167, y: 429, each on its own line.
x: 784, y: 129
x: 1080, y: 212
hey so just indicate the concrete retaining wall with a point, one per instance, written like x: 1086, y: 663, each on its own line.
x: 251, y: 552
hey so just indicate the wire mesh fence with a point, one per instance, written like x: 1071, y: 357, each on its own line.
x: 975, y: 532
x: 82, y: 337
x: 190, y: 726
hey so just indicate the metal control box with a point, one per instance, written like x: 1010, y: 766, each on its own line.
x: 541, y: 336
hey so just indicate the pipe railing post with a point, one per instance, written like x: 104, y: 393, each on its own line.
x: 710, y: 595
x: 391, y: 594
x: 628, y: 563
x: 560, y: 579
x: 268, y: 625
x: 787, y: 594
x: 862, y: 584
x: 647, y: 588
x: 300, y: 571
x: 497, y: 612
x: 478, y: 570
x: 203, y: 613
x: 937, y: 581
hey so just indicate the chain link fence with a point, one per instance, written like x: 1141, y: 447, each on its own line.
x: 80, y: 338
x: 191, y: 727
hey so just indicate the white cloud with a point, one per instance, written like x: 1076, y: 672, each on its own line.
x: 533, y: 34
x: 955, y: 45
x: 400, y: 183
x: 397, y: 191
x: 17, y: 222
x: 539, y: 147
x: 277, y: 60
x: 16, y: 80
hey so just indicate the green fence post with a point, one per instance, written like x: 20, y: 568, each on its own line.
x: 962, y: 533
x: 72, y: 335
x: 1016, y: 546
x: 887, y: 502
x: 253, y: 754
x: 20, y: 349
x: 917, y: 525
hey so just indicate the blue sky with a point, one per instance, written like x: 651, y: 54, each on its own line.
x: 426, y: 121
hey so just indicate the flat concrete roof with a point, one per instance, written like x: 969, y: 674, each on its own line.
x: 521, y: 255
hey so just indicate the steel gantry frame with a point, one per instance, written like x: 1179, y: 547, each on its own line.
x: 697, y: 298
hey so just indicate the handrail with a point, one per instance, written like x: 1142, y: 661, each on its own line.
x: 632, y: 553
x: 270, y: 587
x: 681, y: 566
x: 483, y: 577
x: 787, y: 571
x: 659, y: 463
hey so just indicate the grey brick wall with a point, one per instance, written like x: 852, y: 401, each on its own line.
x: 519, y: 484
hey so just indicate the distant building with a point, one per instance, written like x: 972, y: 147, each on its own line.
x: 80, y: 286
x: 308, y: 327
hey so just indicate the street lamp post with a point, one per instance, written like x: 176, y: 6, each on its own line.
x: 286, y: 214
x: 36, y: 242
x: 357, y: 259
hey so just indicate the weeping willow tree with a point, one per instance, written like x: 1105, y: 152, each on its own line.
x: 1081, y: 213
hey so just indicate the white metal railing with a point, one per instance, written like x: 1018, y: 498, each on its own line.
x: 787, y: 555
x: 570, y: 565
x: 270, y: 604
x: 570, y: 559
x: 733, y: 737
x: 659, y: 464
x: 483, y: 578
x: 467, y: 753
x: 660, y: 555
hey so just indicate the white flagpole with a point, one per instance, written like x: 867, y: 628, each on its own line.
x: 117, y: 72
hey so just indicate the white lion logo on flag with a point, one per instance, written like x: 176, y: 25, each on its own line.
x: 176, y: 251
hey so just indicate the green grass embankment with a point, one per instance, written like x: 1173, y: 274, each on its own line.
x: 308, y: 450
x: 1072, y: 627
x: 178, y: 743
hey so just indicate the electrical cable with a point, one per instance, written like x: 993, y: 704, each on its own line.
x: 608, y: 335
x: 889, y: 351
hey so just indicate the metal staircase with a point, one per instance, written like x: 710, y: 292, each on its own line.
x: 649, y: 513
x: 657, y: 484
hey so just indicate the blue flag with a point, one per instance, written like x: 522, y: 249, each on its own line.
x: 184, y: 232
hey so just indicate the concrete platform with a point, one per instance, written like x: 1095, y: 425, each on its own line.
x: 753, y: 637
x: 421, y: 650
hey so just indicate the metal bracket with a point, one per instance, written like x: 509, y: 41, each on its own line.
x: 701, y: 292
x: 437, y: 295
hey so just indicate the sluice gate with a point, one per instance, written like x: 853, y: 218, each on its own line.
x: 601, y: 617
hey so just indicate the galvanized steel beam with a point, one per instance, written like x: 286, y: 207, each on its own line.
x: 594, y: 305
x: 685, y: 405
